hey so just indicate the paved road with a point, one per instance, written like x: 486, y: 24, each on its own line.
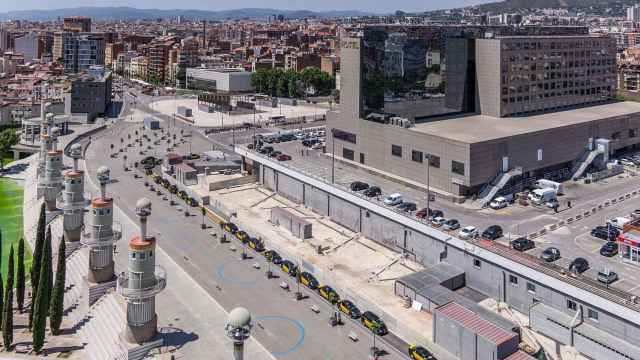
x: 289, y: 329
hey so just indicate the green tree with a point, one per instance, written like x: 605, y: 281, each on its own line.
x: 41, y: 309
x: 7, y: 311
x: 57, y: 297
x: 37, y: 260
x: 20, y: 279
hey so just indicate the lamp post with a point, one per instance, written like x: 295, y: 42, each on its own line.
x: 238, y: 329
x: 333, y: 156
x: 428, y: 183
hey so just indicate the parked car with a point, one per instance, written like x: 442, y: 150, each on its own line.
x: 468, y: 232
x: 607, y: 277
x: 498, y: 203
x: 407, y: 206
x: 438, y: 221
x: 348, y: 308
x: 358, y: 186
x: 242, y: 236
x: 308, y: 280
x: 618, y: 222
x: 608, y: 233
x: 492, y: 232
x: 289, y: 268
x: 609, y: 249
x: 275, y: 154
x: 372, y: 322
x: 256, y: 244
x: 425, y: 213
x: 550, y: 254
x: 393, y: 199
x: 451, y: 224
x: 272, y: 256
x: 417, y: 352
x: 579, y: 265
x: 329, y: 294
x: 372, y: 191
x: 265, y: 150
x: 283, y: 157
x: 522, y: 244
x: 229, y: 227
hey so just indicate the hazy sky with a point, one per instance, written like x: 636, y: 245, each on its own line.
x: 365, y: 5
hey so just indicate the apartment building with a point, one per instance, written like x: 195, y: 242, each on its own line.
x: 91, y: 92
x: 159, y: 57
x: 79, y: 24
x: 111, y: 52
x: 82, y: 51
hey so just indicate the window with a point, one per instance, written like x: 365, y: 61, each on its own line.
x: 347, y: 153
x: 344, y: 136
x: 477, y: 263
x: 457, y: 167
x: 632, y: 133
x: 531, y: 288
x: 361, y: 158
x: 133, y: 255
x: 571, y: 305
x: 143, y: 256
x: 434, y: 161
x: 592, y: 314
x: 150, y: 254
x: 416, y: 156
x: 396, y: 150
x: 513, y: 279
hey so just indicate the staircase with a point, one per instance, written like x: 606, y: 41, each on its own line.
x: 487, y: 194
x: 75, y: 304
x: 581, y: 165
x: 106, y: 321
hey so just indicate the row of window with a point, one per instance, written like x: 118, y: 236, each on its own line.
x: 552, y: 94
x: 344, y: 136
x: 528, y: 88
x: 568, y: 45
x: 434, y: 161
x: 535, y: 56
x: 141, y: 255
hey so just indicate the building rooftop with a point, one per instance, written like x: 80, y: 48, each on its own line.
x: 480, y: 128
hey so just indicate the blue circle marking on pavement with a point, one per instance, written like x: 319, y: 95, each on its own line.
x: 220, y: 270
x: 295, y: 323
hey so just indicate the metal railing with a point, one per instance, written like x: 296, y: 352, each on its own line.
x: 105, y: 235
x: 80, y: 203
x: 125, y: 283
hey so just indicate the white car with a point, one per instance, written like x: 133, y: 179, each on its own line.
x: 468, y: 232
x: 438, y: 221
x: 498, y: 203
x: 393, y: 199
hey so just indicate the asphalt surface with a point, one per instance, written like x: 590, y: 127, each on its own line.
x: 286, y: 327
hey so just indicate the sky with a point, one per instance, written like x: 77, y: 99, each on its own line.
x: 376, y: 6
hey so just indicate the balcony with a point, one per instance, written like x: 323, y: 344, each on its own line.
x: 104, y: 236
x: 125, y: 285
x: 75, y: 204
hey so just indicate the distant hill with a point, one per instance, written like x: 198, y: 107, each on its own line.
x: 129, y: 13
x: 610, y: 7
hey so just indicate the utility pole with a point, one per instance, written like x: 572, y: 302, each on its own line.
x: 428, y: 183
x: 333, y: 157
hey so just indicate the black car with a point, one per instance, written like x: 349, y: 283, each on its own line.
x: 275, y: 153
x: 372, y: 191
x: 266, y: 150
x: 579, y: 265
x: 358, y: 186
x: 522, y: 244
x: 608, y: 233
x: 609, y: 249
x: 407, y: 206
x: 492, y: 232
x: 550, y: 254
x: 286, y: 137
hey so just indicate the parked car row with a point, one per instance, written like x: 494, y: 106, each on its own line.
x: 368, y: 319
x: 271, y: 152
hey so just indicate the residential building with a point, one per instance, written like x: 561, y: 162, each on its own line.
x: 139, y: 67
x: 78, y: 24
x: 301, y: 60
x: 111, y: 52
x: 159, y: 57
x: 29, y: 45
x: 82, y: 51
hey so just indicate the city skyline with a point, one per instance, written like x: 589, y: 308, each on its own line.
x: 362, y: 5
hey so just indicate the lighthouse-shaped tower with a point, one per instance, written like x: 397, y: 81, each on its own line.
x: 71, y: 200
x: 100, y: 233
x: 52, y: 181
x: 46, y: 140
x: 141, y: 282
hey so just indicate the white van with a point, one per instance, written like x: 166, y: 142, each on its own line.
x: 542, y: 196
x: 618, y: 222
x: 544, y: 183
x: 393, y: 199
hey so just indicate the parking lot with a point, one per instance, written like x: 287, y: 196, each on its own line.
x: 516, y: 220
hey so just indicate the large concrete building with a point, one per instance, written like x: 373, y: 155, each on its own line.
x: 29, y: 45
x: 91, y: 93
x: 77, y: 24
x: 219, y: 80
x: 477, y: 109
x: 81, y: 51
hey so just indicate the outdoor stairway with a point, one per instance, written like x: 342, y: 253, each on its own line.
x: 580, y: 166
x: 492, y: 188
x: 101, y: 333
x: 75, y: 287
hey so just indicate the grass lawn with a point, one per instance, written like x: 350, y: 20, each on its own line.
x: 11, y: 223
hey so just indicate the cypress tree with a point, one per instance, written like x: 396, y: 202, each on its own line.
x: 20, y: 276
x: 57, y: 297
x: 7, y: 311
x: 35, y: 270
x: 41, y: 308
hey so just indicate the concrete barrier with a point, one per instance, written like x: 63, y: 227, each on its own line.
x: 579, y: 216
x: 553, y: 227
x: 594, y: 210
x: 613, y: 201
x: 569, y: 220
x: 542, y: 232
x: 628, y: 196
x: 634, y: 193
x: 532, y: 236
x: 561, y: 223
x: 587, y: 213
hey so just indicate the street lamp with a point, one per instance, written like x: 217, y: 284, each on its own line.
x: 428, y: 183
x: 333, y: 156
x: 238, y: 329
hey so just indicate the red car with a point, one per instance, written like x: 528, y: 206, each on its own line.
x: 283, y: 157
